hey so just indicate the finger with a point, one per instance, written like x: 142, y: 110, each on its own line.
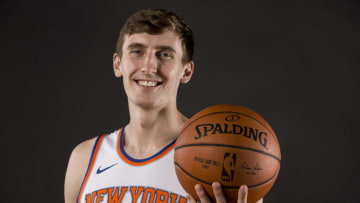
x: 219, y: 195
x: 201, y: 194
x: 190, y: 198
x: 242, y: 194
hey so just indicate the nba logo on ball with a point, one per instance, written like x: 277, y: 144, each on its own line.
x: 229, y: 165
x: 229, y: 144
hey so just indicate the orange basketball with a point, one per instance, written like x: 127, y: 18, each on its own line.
x: 229, y: 144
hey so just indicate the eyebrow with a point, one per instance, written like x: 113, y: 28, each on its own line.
x: 140, y: 45
x: 136, y: 45
x: 166, y: 48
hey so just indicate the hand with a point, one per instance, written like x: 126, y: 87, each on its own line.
x: 219, y: 196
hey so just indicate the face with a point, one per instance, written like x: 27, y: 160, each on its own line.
x: 152, y: 68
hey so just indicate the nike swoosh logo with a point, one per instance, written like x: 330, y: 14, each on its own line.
x: 102, y: 170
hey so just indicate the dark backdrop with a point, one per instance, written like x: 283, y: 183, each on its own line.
x: 294, y: 62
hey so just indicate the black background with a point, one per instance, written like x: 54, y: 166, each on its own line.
x: 294, y: 62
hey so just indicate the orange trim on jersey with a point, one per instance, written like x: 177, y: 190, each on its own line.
x: 140, y: 162
x: 91, y: 164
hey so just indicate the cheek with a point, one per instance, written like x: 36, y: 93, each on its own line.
x: 128, y: 67
x: 173, y: 72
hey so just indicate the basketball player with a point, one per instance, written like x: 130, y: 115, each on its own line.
x: 135, y: 163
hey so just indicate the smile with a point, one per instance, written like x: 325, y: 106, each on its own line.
x: 148, y: 83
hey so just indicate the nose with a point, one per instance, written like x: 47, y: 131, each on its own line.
x: 150, y: 63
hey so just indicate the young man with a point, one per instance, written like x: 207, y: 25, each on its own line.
x: 135, y: 163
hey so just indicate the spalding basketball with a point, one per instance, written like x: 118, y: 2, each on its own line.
x: 229, y: 144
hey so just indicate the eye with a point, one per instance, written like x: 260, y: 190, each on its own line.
x: 165, y: 55
x: 137, y: 52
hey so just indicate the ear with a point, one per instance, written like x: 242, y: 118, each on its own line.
x: 188, y: 71
x: 116, y: 65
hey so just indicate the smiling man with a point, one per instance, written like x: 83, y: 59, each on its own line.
x: 135, y: 163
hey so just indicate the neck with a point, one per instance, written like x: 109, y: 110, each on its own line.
x: 152, y: 129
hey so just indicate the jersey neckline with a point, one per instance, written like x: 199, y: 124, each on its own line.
x: 138, y: 162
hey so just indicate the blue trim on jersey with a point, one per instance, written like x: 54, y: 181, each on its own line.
x: 139, y: 160
x: 91, y: 157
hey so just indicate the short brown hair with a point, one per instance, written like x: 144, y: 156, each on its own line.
x: 155, y: 21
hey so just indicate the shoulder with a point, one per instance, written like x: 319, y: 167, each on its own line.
x: 83, y: 149
x: 77, y: 166
x: 80, y: 155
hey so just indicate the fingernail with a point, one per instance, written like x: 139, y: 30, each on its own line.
x: 198, y: 188
x: 217, y: 185
x: 244, y: 189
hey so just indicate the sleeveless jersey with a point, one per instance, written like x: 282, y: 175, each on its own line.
x: 113, y: 176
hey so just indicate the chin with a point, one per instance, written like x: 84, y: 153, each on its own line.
x: 147, y: 103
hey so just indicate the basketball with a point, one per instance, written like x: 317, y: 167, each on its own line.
x: 229, y: 144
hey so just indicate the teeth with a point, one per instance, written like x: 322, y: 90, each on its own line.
x: 147, y: 83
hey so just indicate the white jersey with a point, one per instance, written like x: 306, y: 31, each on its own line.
x: 113, y: 176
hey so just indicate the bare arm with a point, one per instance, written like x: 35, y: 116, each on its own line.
x: 77, y: 166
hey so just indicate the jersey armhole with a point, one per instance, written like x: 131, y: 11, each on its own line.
x: 90, y: 166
